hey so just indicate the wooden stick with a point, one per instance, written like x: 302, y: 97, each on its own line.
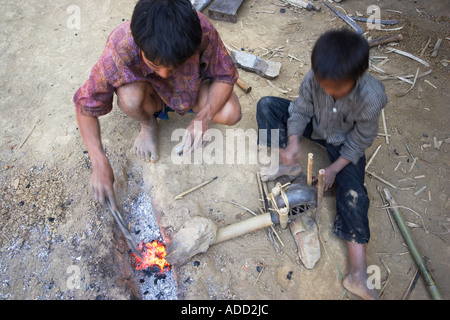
x: 386, y: 182
x: 412, y: 86
x: 310, y: 168
x: 320, y: 190
x: 384, y: 126
x: 372, y: 157
x: 411, y: 285
x: 436, y: 47
x: 181, y: 195
x: 384, y: 40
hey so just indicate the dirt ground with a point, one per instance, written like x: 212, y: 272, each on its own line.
x: 54, y: 234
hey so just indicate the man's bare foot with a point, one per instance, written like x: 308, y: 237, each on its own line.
x: 272, y: 173
x: 146, y: 144
x: 358, y: 285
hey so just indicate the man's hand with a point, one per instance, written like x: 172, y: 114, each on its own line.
x: 194, y: 135
x: 102, y: 181
x: 291, y: 154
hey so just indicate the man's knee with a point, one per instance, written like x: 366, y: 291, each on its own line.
x: 131, y: 96
x: 231, y: 112
x: 235, y: 115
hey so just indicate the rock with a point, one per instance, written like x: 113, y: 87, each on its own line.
x: 199, y: 5
x: 249, y: 62
x: 225, y: 10
x: 195, y: 236
x: 306, y: 235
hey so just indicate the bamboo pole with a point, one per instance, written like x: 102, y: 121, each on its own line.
x: 240, y: 228
x: 320, y: 191
x: 429, y: 281
x: 310, y: 168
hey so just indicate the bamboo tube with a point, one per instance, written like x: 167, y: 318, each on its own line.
x: 310, y: 167
x: 429, y: 281
x: 240, y: 228
x: 284, y: 217
x: 243, y: 85
x: 320, y: 190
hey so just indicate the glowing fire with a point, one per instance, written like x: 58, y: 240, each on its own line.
x: 153, y: 254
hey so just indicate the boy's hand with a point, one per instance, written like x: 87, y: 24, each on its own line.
x: 291, y: 154
x: 102, y: 181
x: 332, y: 171
x: 329, y: 178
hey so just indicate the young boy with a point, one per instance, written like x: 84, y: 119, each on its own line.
x: 169, y: 57
x: 338, y: 106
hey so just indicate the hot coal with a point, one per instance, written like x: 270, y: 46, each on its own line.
x: 153, y: 284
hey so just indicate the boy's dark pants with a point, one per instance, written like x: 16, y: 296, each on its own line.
x: 352, y: 202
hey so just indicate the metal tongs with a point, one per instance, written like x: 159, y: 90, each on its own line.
x: 123, y: 227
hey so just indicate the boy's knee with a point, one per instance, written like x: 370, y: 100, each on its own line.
x: 263, y: 106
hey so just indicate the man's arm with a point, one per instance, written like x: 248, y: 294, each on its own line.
x: 102, y: 178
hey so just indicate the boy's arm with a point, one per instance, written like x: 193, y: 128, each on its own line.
x: 301, y: 111
x: 366, y: 125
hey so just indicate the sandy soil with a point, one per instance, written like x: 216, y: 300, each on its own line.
x: 53, y: 231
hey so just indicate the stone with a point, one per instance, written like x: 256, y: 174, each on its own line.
x: 249, y: 62
x: 199, y: 5
x: 195, y: 236
x: 306, y: 235
x: 224, y: 10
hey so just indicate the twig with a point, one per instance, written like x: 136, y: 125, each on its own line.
x: 412, y: 86
x: 372, y: 157
x: 242, y: 207
x: 384, y: 126
x: 29, y: 133
x: 393, y: 207
x: 426, y: 46
x: 436, y: 48
x: 386, y: 182
x: 257, y: 278
x: 181, y: 195
x: 406, y: 54
x: 411, y: 285
x: 387, y: 279
x: 273, y: 86
x: 430, y: 84
x: 412, y: 157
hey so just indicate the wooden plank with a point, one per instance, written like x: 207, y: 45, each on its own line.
x: 224, y: 10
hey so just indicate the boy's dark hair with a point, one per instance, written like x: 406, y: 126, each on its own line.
x: 339, y: 55
x: 167, y: 31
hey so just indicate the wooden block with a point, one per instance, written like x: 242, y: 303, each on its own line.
x: 225, y: 10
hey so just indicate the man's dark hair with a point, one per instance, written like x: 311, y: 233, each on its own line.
x: 167, y: 31
x: 340, y: 55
